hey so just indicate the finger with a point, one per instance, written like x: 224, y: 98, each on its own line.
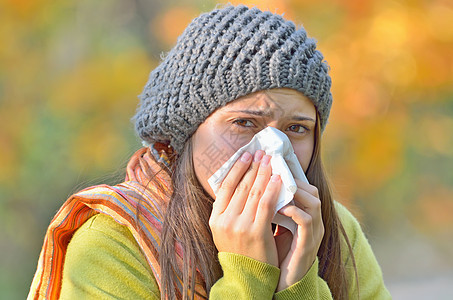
x: 230, y: 182
x: 241, y: 193
x: 305, y: 221
x: 259, y: 186
x: 307, y: 202
x: 311, y: 206
x: 299, y: 216
x: 311, y: 189
x: 266, y: 206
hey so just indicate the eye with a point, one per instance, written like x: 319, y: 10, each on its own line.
x: 243, y: 123
x: 298, y: 128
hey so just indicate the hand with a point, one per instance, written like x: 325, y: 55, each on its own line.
x: 244, y: 208
x: 297, y: 253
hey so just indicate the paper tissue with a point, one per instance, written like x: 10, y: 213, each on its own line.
x: 284, y: 162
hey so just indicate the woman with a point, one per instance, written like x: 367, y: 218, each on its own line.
x: 163, y: 233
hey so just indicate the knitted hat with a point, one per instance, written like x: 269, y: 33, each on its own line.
x: 222, y: 55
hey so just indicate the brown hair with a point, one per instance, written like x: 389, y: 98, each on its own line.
x: 186, y: 222
x: 331, y: 265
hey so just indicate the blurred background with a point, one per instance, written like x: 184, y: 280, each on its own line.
x: 70, y: 73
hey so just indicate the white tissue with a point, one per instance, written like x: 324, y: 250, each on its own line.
x: 284, y: 163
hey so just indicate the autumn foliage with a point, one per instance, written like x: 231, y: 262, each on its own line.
x: 70, y: 73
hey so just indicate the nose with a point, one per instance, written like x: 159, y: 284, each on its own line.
x: 273, y: 124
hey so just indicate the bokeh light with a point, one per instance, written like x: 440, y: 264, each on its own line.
x: 70, y: 73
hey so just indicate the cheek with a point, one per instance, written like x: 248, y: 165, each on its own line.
x: 210, y: 151
x: 304, y: 153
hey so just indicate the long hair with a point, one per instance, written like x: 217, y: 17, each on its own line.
x: 331, y: 266
x: 187, y: 218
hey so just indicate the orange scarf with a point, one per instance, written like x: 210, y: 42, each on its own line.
x: 121, y: 202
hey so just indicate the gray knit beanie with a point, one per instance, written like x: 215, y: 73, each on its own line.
x: 222, y: 55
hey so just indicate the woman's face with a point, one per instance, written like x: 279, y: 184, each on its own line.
x: 230, y: 127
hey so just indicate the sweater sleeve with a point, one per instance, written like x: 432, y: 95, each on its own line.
x: 103, y: 261
x: 311, y: 286
x: 371, y: 283
x: 244, y: 278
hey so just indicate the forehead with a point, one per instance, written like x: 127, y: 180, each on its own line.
x: 281, y: 100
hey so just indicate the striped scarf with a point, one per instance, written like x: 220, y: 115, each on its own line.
x: 129, y: 204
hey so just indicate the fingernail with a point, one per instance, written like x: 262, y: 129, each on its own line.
x: 258, y: 155
x: 275, y: 177
x: 246, y: 157
x: 265, y: 161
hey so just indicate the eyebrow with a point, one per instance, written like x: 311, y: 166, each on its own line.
x: 269, y: 113
x: 260, y: 113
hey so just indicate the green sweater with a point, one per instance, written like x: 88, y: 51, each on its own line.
x: 104, y: 261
